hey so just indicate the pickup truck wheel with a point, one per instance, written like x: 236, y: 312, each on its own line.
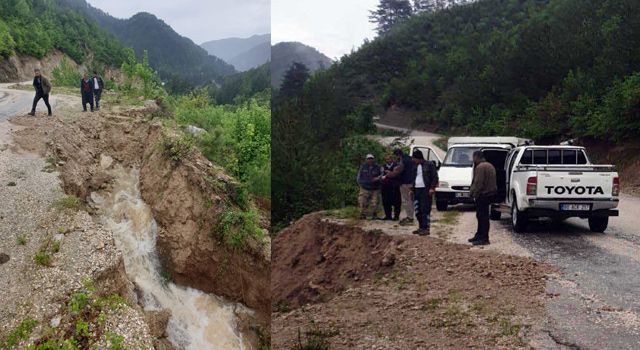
x: 518, y: 219
x: 598, y: 224
x: 495, y: 215
x: 441, y: 205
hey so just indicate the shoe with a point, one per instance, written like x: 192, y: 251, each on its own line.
x: 363, y: 217
x: 484, y: 242
x: 406, y: 221
x: 396, y: 218
x: 416, y: 232
x: 474, y: 238
x: 386, y: 218
x: 424, y: 232
x: 33, y: 114
x: 374, y: 218
x: 50, y: 115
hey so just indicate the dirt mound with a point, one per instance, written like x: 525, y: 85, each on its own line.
x: 437, y: 295
x: 187, y: 196
x: 20, y: 67
x: 314, y: 259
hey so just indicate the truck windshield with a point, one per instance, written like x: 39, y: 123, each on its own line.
x: 460, y: 156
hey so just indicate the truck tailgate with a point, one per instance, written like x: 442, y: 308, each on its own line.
x: 575, y: 183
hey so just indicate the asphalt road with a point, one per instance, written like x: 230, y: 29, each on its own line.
x: 18, y: 102
x: 595, y: 301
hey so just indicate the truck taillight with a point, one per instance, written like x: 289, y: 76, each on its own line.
x: 532, y: 186
x: 616, y: 186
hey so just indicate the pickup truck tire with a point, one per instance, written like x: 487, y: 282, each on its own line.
x: 442, y: 205
x: 495, y: 215
x: 519, y: 219
x: 598, y: 224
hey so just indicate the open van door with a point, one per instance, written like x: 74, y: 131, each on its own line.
x: 498, y: 157
x: 429, y: 154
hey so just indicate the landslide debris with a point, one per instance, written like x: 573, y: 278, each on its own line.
x: 435, y: 295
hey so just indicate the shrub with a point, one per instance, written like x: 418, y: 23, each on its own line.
x: 65, y: 74
x: 42, y: 258
x: 21, y: 239
x: 69, y: 202
x: 21, y: 332
x: 177, y: 148
x: 235, y: 227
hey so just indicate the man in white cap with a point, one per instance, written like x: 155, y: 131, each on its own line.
x: 369, y: 180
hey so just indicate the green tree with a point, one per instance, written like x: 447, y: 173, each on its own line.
x: 389, y: 13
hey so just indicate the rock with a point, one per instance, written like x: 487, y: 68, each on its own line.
x: 194, y: 130
x: 55, y: 322
x: 157, y: 321
x: 105, y: 161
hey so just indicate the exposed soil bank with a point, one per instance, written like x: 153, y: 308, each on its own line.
x: 186, y: 198
x: 410, y: 292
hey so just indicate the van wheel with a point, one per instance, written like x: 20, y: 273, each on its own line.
x: 495, y: 215
x: 519, y: 219
x: 441, y: 205
x: 598, y: 224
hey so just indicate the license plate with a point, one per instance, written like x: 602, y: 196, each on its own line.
x: 575, y: 207
x: 462, y: 194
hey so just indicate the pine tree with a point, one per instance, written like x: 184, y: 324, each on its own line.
x: 389, y: 13
x: 294, y: 80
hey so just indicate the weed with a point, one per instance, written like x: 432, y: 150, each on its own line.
x: 508, y: 329
x: 55, y: 246
x: 376, y: 232
x: 449, y: 217
x: 236, y: 227
x: 116, y: 340
x: 69, y: 202
x: 351, y: 212
x: 21, y: 239
x: 82, y: 329
x: 12, y: 184
x: 42, y: 258
x: 79, y: 301
x: 315, y: 339
x: 177, y: 148
x: 432, y: 303
x: 23, y: 331
x: 283, y: 306
x: 62, y: 230
x: 441, y: 143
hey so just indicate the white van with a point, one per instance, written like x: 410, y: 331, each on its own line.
x: 456, y: 172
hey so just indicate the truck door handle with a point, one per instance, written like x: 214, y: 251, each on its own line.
x: 575, y: 180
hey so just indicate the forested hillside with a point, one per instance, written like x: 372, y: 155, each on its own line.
x: 177, y: 59
x: 284, y: 54
x: 35, y: 27
x: 546, y: 69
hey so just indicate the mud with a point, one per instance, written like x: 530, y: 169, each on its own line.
x: 435, y: 295
x: 186, y: 197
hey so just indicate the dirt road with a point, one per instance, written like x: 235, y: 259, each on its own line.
x: 596, y: 299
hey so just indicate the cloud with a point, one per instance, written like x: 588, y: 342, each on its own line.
x: 334, y: 27
x: 200, y: 20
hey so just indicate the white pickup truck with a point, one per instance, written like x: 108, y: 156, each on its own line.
x: 557, y: 182
x: 456, y: 172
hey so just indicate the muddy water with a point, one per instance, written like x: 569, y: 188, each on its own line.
x: 199, y: 320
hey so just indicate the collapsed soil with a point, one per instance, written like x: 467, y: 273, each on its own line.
x: 435, y: 295
x: 187, y: 197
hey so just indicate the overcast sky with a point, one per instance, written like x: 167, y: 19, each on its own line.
x: 199, y: 20
x: 332, y: 26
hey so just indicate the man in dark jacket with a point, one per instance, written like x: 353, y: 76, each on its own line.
x: 391, y: 198
x: 403, y: 173
x: 369, y: 177
x: 98, y: 85
x: 43, y: 88
x: 425, y: 181
x: 483, y: 188
x: 86, y: 89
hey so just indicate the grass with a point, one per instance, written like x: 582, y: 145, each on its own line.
x: 21, y: 332
x: 441, y: 143
x: 21, y: 239
x: 314, y: 339
x: 350, y: 213
x: 237, y: 227
x: 508, y: 329
x: 116, y: 340
x: 177, y: 148
x: 55, y: 246
x: 433, y: 303
x: 12, y: 184
x: 69, y: 202
x: 390, y: 132
x: 449, y: 217
x: 42, y: 258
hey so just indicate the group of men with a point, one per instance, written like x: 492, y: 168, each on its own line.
x: 411, y: 181
x: 90, y: 90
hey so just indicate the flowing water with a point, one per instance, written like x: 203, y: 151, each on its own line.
x: 198, y: 320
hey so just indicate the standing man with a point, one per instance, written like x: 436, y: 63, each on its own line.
x: 425, y: 181
x: 369, y: 178
x: 98, y: 85
x: 403, y: 173
x: 391, y: 198
x: 86, y: 89
x: 483, y: 188
x: 43, y: 88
